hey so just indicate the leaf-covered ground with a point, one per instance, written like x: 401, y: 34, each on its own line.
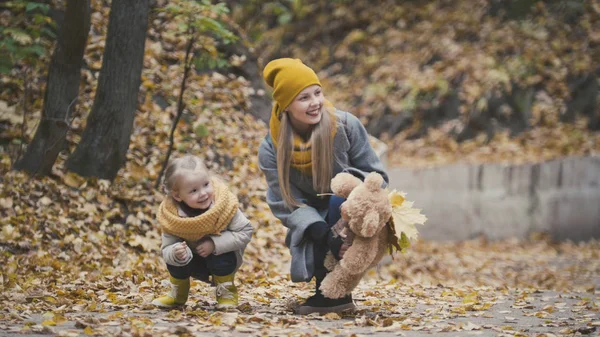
x: 81, y: 256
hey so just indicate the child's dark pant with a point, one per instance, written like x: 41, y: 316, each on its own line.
x: 201, y: 267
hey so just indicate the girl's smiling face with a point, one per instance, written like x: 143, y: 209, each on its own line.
x: 195, y: 189
x: 306, y: 109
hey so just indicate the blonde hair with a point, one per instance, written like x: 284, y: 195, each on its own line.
x: 183, y: 165
x: 321, y: 156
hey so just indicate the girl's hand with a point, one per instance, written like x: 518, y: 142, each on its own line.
x: 181, y: 251
x: 343, y: 249
x: 206, y: 247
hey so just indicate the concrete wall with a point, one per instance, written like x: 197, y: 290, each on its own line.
x: 560, y: 197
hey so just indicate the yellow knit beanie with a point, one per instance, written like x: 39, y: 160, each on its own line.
x: 288, y: 77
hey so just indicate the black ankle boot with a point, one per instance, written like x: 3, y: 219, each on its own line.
x: 321, y: 304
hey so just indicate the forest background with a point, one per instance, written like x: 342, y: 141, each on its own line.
x: 88, y: 121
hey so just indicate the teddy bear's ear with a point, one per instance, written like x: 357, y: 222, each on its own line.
x: 374, y: 181
x: 370, y: 224
x: 343, y: 183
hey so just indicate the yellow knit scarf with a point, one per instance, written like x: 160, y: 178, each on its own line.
x: 302, y: 153
x: 213, y: 221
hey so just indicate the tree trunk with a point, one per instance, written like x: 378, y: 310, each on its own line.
x: 64, y: 77
x: 103, y: 146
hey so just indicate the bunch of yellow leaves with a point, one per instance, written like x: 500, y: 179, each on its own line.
x: 403, y: 222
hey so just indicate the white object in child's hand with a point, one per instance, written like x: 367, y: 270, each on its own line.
x: 181, y: 251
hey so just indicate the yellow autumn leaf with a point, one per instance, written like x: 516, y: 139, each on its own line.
x: 45, y: 201
x: 138, y: 172
x: 88, y: 331
x: 149, y: 84
x: 9, y: 233
x: 6, y: 203
x: 96, y: 65
x: 50, y: 299
x: 405, y: 217
x: 141, y: 242
x: 73, y: 180
x: 59, y: 319
x: 103, y: 199
x: 10, y: 114
x: 396, y: 198
x: 332, y: 316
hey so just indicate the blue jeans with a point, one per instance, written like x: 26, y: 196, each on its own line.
x: 334, y: 213
x: 321, y: 249
x: 201, y: 267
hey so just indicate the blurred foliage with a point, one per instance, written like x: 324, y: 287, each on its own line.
x: 419, y: 74
x: 401, y: 52
x: 470, y: 71
x: 26, y: 33
x: 196, y: 18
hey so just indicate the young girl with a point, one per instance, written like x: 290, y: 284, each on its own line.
x: 308, y: 144
x: 203, y: 232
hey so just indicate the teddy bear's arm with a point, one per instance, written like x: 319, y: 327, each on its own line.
x: 359, y: 256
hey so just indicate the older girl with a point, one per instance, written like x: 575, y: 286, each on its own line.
x: 309, y: 142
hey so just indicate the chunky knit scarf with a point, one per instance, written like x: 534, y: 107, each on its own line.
x: 213, y: 221
x: 302, y: 153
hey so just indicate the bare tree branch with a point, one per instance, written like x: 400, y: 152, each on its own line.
x: 186, y: 71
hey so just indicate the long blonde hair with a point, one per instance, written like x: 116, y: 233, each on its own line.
x: 321, y: 143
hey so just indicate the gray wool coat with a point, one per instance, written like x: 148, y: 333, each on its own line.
x: 353, y: 153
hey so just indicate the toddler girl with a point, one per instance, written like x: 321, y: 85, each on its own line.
x: 204, y: 233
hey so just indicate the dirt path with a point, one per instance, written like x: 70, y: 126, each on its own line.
x: 388, y: 310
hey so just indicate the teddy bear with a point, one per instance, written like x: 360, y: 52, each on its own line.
x: 365, y: 215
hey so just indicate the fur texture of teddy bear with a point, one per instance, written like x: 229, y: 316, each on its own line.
x: 365, y: 213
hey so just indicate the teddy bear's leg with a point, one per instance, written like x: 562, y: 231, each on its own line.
x: 330, y: 261
x: 355, y: 281
x: 359, y: 256
x: 337, y: 283
x: 348, y: 284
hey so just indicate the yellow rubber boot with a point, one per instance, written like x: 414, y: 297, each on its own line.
x: 227, y: 294
x: 178, y: 295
